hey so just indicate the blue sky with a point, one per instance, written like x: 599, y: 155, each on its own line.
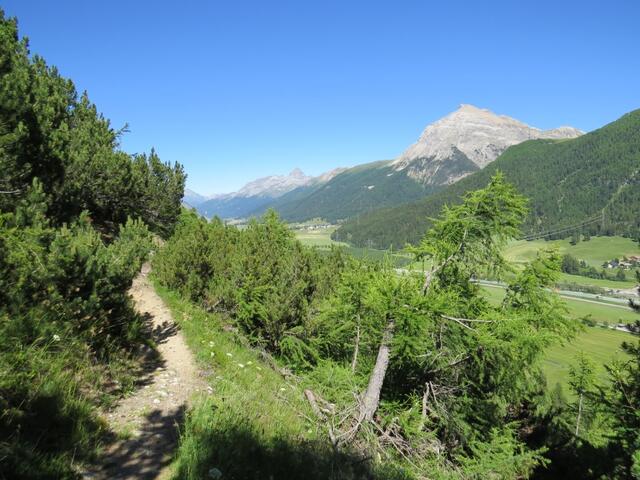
x: 237, y: 90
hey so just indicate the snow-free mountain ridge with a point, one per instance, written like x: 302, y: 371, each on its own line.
x: 448, y: 150
x: 193, y: 199
x: 259, y: 194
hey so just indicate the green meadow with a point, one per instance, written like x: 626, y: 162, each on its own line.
x: 608, y: 313
x: 321, y: 239
x: 594, y: 252
x: 602, y: 345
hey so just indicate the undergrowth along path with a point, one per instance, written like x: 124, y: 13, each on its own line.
x: 147, y: 422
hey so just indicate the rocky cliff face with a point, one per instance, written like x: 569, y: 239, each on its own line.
x: 467, y: 140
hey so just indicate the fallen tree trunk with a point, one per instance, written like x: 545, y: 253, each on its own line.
x: 371, y: 398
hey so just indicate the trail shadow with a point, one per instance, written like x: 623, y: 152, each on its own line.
x: 240, y: 452
x: 150, y: 358
x: 161, y: 333
x: 145, y: 455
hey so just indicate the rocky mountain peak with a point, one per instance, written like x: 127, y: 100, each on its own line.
x: 478, y: 134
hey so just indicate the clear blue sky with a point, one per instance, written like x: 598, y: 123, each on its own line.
x: 236, y: 90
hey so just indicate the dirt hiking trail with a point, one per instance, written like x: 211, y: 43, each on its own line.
x: 149, y: 419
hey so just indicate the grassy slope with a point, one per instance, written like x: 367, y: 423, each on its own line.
x: 253, y: 423
x: 567, y: 182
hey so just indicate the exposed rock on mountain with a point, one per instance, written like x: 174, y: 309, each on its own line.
x: 254, y: 195
x: 467, y: 140
x: 193, y: 199
x: 273, y: 186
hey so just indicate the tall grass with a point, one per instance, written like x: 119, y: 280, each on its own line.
x: 50, y: 395
x: 56, y: 427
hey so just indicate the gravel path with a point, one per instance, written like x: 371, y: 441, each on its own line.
x: 149, y: 419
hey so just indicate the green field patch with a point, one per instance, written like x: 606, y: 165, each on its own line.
x: 594, y: 252
x: 608, y: 313
x: 321, y: 239
x: 601, y: 345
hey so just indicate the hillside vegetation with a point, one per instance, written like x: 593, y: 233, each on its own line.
x: 236, y: 207
x: 401, y: 374
x: 350, y: 193
x: 590, y: 184
x: 76, y: 223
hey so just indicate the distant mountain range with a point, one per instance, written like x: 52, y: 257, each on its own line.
x: 448, y: 150
x: 587, y: 184
x: 193, y: 199
x: 252, y: 196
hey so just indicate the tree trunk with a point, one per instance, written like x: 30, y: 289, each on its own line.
x: 425, y: 398
x: 354, y: 361
x: 579, y: 415
x: 372, y: 395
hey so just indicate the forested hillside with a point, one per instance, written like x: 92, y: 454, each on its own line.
x: 76, y: 221
x: 592, y: 180
x: 352, y: 192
